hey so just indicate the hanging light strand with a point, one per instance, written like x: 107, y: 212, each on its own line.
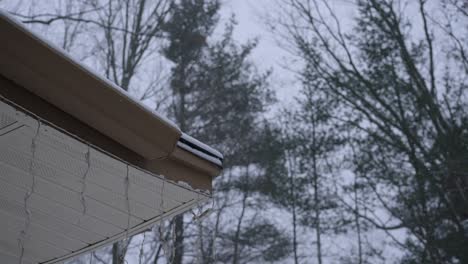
x: 127, y: 199
x: 84, y: 178
x: 29, y: 193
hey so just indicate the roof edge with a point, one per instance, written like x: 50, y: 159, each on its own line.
x: 47, y: 71
x: 50, y: 73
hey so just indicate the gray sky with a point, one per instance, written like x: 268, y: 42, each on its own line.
x: 251, y: 15
x: 267, y: 55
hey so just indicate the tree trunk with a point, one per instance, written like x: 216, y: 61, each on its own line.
x: 318, y: 229
x: 356, y: 219
x: 119, y: 250
x: 179, y: 240
x: 294, y: 213
x: 235, y: 258
x: 115, y: 253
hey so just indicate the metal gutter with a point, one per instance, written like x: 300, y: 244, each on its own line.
x: 48, y: 72
x: 200, y: 150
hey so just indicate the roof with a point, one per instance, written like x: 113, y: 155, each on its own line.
x: 83, y: 164
x: 48, y: 72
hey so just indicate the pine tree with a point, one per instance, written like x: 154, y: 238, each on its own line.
x: 189, y: 25
x: 231, y: 102
x: 218, y: 97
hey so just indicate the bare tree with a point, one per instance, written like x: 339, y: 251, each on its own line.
x: 126, y: 34
x: 406, y: 111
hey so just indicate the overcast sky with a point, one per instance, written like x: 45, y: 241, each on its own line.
x: 268, y: 55
x: 250, y: 15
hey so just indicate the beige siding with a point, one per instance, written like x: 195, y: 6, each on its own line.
x: 59, y: 225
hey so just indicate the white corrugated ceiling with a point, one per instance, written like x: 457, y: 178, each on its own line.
x: 60, y: 197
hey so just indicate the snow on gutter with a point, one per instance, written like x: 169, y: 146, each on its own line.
x: 200, y: 149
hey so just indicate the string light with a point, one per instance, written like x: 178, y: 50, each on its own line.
x: 84, y: 178
x: 127, y: 200
x: 29, y: 193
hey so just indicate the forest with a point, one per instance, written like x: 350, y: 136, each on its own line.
x: 367, y: 163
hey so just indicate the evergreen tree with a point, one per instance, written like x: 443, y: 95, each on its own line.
x: 231, y: 103
x: 218, y: 97
x: 189, y: 25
